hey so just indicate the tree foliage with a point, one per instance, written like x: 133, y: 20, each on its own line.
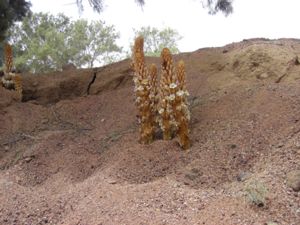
x: 155, y: 40
x: 44, y: 42
x: 96, y: 42
x: 11, y: 11
x: 97, y: 5
x: 213, y: 6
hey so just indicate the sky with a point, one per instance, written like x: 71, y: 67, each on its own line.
x: 250, y: 19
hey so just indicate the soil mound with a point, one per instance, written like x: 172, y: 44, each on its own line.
x: 69, y: 152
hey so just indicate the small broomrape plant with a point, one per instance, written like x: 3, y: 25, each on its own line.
x: 10, y: 80
x: 144, y: 100
x: 182, y: 113
x: 167, y: 95
x: 17, y: 79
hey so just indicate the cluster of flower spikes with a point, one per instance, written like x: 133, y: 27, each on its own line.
x: 173, y: 106
x: 11, y: 80
x: 167, y: 106
x: 144, y: 81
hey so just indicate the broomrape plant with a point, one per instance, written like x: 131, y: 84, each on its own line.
x: 143, y: 81
x: 168, y: 106
x: 10, y: 80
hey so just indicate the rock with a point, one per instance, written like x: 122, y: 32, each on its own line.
x: 112, y: 182
x: 28, y: 159
x: 195, y: 170
x: 45, y: 220
x: 271, y: 223
x: 280, y: 145
x: 293, y: 180
x: 242, y: 176
x: 191, y: 176
x: 45, y: 121
x: 29, y: 153
x: 263, y: 76
x: 233, y: 146
x: 186, y: 183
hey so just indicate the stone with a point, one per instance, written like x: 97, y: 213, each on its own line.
x: 242, y: 176
x: 6, y: 148
x: 271, y: 223
x: 45, y: 121
x: 293, y: 180
x: 263, y: 76
x: 28, y: 159
x: 191, y: 176
x: 112, y: 182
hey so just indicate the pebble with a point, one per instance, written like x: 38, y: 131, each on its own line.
x: 112, y: 182
x: 271, y: 223
x: 28, y: 159
x: 293, y: 180
x: 243, y: 176
x: 45, y: 121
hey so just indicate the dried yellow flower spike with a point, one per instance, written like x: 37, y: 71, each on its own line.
x: 182, y: 113
x: 8, y: 54
x: 18, y: 85
x: 10, y: 80
x: 142, y: 81
x: 181, y: 75
x: 153, y: 91
x: 167, y: 94
x: 138, y: 59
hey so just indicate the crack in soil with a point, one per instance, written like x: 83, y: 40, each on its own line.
x: 91, y: 82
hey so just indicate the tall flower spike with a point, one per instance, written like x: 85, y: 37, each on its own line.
x: 153, y: 91
x: 142, y: 89
x: 18, y: 85
x: 138, y: 58
x: 182, y: 113
x: 8, y: 54
x: 167, y: 94
x: 10, y: 80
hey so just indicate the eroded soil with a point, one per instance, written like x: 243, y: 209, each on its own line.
x: 69, y: 152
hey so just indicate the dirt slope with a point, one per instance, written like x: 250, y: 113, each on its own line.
x: 69, y: 153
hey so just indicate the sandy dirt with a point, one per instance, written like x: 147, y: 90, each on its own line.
x: 69, y: 152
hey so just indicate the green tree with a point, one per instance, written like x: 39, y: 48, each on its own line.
x: 213, y: 6
x: 11, y: 11
x: 40, y: 42
x: 43, y: 42
x: 155, y: 40
x: 97, y: 43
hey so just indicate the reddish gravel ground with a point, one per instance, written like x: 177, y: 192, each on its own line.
x: 69, y: 153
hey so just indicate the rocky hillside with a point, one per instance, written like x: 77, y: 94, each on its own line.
x: 69, y: 152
